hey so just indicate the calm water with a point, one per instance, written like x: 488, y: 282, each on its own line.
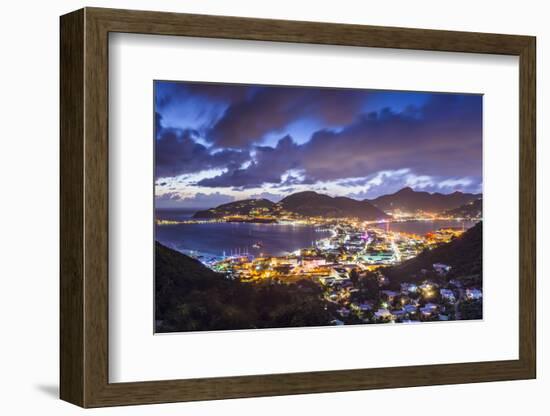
x: 174, y: 214
x: 276, y: 239
x: 423, y: 227
x: 213, y: 239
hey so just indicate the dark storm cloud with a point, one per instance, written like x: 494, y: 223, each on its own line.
x: 168, y: 92
x: 442, y: 138
x: 271, y: 109
x: 267, y: 167
x: 254, y: 111
x: 178, y: 153
x: 218, y: 126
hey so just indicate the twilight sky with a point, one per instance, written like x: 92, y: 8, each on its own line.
x: 216, y: 143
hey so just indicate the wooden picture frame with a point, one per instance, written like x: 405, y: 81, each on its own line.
x: 84, y: 207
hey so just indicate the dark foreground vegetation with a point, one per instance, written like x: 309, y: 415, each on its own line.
x: 191, y: 297
x: 463, y: 254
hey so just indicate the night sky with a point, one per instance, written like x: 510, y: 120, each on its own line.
x: 216, y: 143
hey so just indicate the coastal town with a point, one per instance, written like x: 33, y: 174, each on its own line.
x: 350, y: 267
x: 298, y: 206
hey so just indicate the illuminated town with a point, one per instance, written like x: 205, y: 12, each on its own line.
x: 300, y: 206
x: 349, y: 265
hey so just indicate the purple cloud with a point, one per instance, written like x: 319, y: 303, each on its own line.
x: 199, y: 127
x: 441, y: 139
x: 271, y: 109
x: 178, y: 153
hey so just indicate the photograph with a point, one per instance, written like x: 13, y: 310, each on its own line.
x: 291, y: 206
x: 231, y: 185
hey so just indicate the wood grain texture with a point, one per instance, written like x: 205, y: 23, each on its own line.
x: 71, y: 210
x: 96, y: 209
x: 527, y: 208
x: 162, y: 23
x: 84, y: 207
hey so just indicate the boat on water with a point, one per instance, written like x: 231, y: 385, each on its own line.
x: 257, y: 244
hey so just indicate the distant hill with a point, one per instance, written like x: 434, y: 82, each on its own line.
x: 463, y: 254
x: 243, y: 207
x: 312, y: 204
x: 191, y: 297
x: 408, y: 200
x: 471, y: 210
x: 307, y: 204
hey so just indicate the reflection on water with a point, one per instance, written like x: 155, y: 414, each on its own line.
x: 218, y: 239
x: 423, y: 227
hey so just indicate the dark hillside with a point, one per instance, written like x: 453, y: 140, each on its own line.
x: 191, y: 297
x: 463, y: 254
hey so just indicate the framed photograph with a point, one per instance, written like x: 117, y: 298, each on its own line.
x: 260, y: 207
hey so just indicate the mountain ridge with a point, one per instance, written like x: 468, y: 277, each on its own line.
x: 306, y: 203
x: 314, y: 204
x: 409, y: 200
x: 472, y: 209
x: 240, y: 207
